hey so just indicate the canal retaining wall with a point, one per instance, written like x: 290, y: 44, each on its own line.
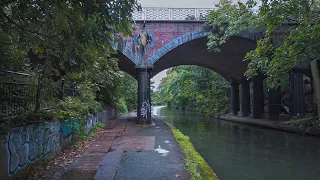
x: 23, y: 146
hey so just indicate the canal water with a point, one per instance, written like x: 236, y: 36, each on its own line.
x: 243, y: 152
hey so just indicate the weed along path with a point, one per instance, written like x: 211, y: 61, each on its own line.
x: 129, y: 151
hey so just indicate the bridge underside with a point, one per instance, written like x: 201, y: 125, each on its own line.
x: 126, y: 65
x: 228, y: 62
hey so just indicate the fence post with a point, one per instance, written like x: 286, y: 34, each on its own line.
x: 62, y: 89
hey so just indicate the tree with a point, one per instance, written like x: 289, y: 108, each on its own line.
x: 230, y: 20
x: 123, y: 93
x: 272, y: 58
x: 195, y: 88
x: 58, y: 37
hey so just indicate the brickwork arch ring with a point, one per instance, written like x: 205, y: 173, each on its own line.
x: 250, y: 35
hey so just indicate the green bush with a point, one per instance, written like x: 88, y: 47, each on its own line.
x: 122, y: 107
x: 194, y: 88
x: 25, y: 119
x: 72, y: 107
x: 100, y: 125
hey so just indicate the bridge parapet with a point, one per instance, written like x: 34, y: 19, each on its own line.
x: 171, y: 14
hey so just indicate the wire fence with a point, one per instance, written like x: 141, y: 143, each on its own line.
x: 18, y: 93
x: 16, y: 97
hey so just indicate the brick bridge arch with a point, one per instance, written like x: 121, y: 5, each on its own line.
x: 176, y: 41
x: 191, y: 49
x: 184, y: 43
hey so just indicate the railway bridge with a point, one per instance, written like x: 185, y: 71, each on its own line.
x: 168, y: 37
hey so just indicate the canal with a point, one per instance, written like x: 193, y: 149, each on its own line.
x: 243, y: 152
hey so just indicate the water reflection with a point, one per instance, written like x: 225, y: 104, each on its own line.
x: 236, y: 151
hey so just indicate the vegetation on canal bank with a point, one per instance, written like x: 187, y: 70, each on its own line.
x: 56, y: 59
x: 194, y: 88
x: 196, y: 166
x: 122, y: 94
x: 275, y: 55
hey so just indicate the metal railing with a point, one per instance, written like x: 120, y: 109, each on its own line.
x: 73, y: 92
x: 18, y: 95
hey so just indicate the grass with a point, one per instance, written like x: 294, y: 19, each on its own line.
x: 196, y: 166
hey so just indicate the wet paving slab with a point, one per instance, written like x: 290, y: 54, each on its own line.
x: 134, y: 143
x: 127, y: 150
x: 86, y: 166
x: 163, y: 161
x: 79, y: 174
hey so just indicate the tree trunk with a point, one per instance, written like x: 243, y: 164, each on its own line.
x: 316, y: 80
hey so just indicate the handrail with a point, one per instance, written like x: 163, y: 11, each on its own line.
x: 13, y: 72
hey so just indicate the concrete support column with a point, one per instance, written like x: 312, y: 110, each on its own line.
x: 235, y: 98
x: 245, y: 98
x: 258, y: 97
x: 274, y: 103
x: 297, y: 104
x: 144, y: 104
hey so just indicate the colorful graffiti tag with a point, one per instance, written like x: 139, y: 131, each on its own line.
x: 68, y: 125
x: 27, y: 144
x: 92, y: 121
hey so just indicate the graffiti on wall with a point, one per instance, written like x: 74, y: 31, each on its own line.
x: 113, y: 113
x: 89, y: 124
x: 68, y: 126
x: 144, y: 109
x: 28, y: 144
x: 92, y: 121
